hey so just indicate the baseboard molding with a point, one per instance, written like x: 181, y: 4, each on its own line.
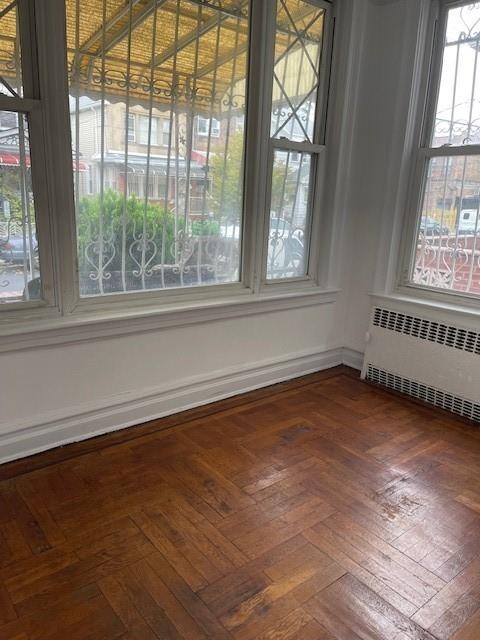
x: 352, y: 358
x: 87, y: 421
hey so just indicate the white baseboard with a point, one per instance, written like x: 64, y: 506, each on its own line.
x: 352, y: 358
x: 57, y: 429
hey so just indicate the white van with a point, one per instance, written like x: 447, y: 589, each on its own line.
x: 467, y: 221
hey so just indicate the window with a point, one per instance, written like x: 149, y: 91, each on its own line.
x: 166, y: 133
x: 296, y: 132
x: 131, y: 128
x: 208, y: 127
x: 176, y: 220
x: 148, y: 130
x: 446, y: 252
x: 20, y: 164
x: 146, y: 174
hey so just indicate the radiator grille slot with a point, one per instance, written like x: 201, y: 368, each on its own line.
x: 444, y: 334
x: 442, y: 399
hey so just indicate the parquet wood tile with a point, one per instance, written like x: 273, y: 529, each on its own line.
x: 320, y: 509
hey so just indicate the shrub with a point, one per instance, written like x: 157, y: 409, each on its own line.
x: 205, y: 228
x: 147, y: 228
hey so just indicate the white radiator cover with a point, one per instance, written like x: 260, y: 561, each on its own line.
x: 426, y: 359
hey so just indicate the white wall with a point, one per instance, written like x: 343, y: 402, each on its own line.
x: 381, y: 154
x: 60, y: 393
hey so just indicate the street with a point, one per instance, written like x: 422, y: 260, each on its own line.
x: 12, y: 281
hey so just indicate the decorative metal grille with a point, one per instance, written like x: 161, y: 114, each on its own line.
x: 297, y: 70
x: 161, y: 203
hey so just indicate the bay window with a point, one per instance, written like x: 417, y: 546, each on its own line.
x: 161, y: 190
x: 445, y: 253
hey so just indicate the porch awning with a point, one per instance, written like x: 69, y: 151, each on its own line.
x: 169, y: 51
x: 13, y: 160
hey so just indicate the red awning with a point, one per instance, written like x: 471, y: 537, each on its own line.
x: 200, y: 157
x: 13, y: 160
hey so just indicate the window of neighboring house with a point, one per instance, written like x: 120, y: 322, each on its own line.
x: 166, y: 133
x: 131, y: 127
x: 445, y: 255
x: 148, y: 130
x: 208, y: 127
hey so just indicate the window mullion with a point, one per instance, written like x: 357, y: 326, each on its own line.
x: 325, y: 77
x: 258, y: 151
x: 58, y: 168
x: 28, y: 45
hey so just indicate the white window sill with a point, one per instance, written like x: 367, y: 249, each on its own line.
x: 95, y: 323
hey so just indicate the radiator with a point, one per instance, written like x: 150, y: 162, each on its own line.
x: 429, y: 360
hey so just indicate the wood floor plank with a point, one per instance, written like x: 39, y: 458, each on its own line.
x: 446, y: 598
x: 362, y: 612
x: 323, y: 509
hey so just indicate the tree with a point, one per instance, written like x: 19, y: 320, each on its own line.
x: 10, y: 190
x: 226, y: 196
x: 226, y: 172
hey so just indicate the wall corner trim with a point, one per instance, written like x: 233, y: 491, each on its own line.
x: 352, y: 358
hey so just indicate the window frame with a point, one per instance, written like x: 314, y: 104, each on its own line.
x: 164, y: 131
x: 211, y: 131
x: 132, y: 130
x: 317, y: 149
x: 423, y: 153
x: 143, y: 137
x: 35, y: 112
x: 54, y: 181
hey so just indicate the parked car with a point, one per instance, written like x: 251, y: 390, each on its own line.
x: 467, y: 221
x: 13, y: 250
x: 430, y: 227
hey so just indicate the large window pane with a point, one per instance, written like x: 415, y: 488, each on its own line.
x: 289, y: 215
x: 457, y: 119
x: 298, y: 50
x: 19, y: 267
x: 448, y: 241
x: 157, y: 99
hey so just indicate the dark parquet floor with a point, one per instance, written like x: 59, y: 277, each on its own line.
x: 319, y: 509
